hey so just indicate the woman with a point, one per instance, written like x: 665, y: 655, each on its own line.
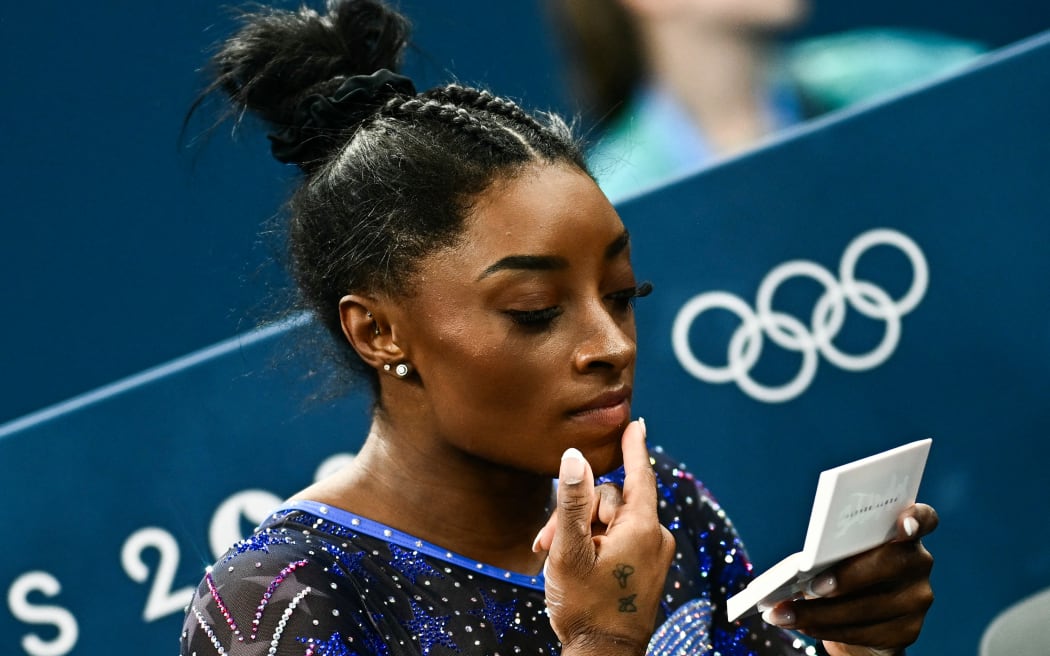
x: 679, y: 84
x: 475, y: 275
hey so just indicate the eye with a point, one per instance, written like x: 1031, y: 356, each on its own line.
x: 624, y: 299
x: 534, y: 318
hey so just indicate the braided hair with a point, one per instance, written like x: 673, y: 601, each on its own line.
x: 389, y: 174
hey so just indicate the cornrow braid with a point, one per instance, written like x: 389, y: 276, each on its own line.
x: 486, y: 102
x: 459, y: 118
x: 547, y: 138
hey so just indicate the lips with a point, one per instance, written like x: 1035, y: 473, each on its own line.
x: 605, y: 401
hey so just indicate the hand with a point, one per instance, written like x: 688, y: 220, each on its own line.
x: 874, y: 603
x: 609, y: 555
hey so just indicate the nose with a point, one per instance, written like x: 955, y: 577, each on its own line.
x: 608, y: 341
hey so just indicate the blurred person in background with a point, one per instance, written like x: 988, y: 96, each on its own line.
x: 674, y: 85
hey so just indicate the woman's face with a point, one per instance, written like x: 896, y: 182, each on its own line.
x: 523, y: 335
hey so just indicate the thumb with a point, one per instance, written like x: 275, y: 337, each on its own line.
x: 572, y: 546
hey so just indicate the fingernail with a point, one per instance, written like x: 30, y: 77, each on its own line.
x: 911, y: 526
x: 536, y: 542
x: 821, y: 586
x: 778, y: 616
x: 571, y: 467
x: 641, y: 422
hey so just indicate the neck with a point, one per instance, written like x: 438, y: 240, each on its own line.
x: 444, y: 496
x: 718, y: 76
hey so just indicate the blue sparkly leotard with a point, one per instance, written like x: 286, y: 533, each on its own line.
x: 318, y: 581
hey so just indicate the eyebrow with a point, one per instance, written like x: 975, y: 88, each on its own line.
x: 550, y: 262
x: 618, y: 245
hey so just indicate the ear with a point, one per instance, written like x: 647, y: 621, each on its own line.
x: 366, y: 326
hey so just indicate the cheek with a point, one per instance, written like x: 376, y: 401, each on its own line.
x: 496, y: 391
x: 487, y: 369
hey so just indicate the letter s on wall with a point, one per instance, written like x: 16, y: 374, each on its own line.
x: 60, y: 618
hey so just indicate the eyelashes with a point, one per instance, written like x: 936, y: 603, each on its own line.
x: 641, y: 291
x: 624, y: 299
x: 534, y: 317
x: 627, y: 296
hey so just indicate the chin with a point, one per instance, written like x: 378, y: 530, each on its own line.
x: 605, y: 459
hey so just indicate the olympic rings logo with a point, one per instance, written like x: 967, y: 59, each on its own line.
x: 786, y: 331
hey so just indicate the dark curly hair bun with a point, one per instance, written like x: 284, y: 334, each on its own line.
x: 281, y: 63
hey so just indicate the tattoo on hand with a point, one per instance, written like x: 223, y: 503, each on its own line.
x: 621, y: 573
x: 627, y: 604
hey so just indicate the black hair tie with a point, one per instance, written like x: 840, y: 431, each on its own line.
x: 320, y: 119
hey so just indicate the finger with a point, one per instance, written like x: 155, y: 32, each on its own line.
x: 916, y: 521
x: 892, y: 566
x: 889, y: 635
x: 572, y: 544
x: 890, y: 619
x: 639, y: 485
x: 874, y: 606
x: 610, y: 500
x: 546, y: 535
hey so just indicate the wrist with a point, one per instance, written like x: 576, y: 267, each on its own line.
x: 603, y: 644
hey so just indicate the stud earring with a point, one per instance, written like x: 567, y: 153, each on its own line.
x: 401, y: 369
x: 375, y: 327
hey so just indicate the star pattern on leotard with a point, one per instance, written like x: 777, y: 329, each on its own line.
x: 500, y: 615
x: 333, y: 646
x: 347, y: 563
x: 411, y: 564
x: 375, y: 644
x: 735, y: 643
x: 261, y: 541
x: 332, y: 528
x: 429, y: 629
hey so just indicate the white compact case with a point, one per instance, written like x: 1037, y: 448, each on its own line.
x: 855, y: 509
